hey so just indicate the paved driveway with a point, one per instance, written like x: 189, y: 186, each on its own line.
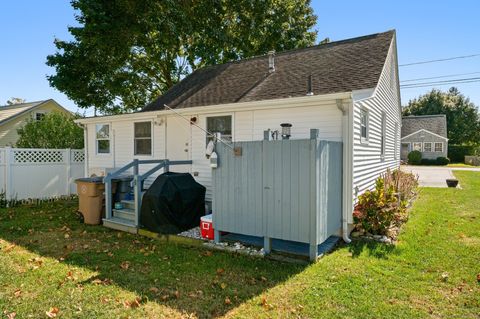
x: 434, y: 176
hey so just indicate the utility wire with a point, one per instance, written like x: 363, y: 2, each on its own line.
x: 439, y: 77
x: 435, y: 84
x: 446, y: 81
x: 441, y: 60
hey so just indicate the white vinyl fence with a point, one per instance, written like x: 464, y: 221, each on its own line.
x: 39, y: 173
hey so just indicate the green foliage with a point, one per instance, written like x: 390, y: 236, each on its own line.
x: 442, y: 161
x: 415, y: 157
x: 463, y: 120
x: 428, y: 161
x: 54, y: 130
x: 126, y: 53
x: 379, y: 209
x: 457, y: 153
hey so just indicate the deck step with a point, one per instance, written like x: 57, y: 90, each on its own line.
x: 120, y: 224
x: 125, y: 213
x: 128, y: 204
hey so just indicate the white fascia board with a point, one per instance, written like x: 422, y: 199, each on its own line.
x: 426, y: 131
x: 242, y: 106
x: 364, y: 94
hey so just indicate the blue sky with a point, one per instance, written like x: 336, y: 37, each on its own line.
x: 426, y: 30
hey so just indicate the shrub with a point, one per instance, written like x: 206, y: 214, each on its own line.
x: 414, y: 157
x: 442, y: 161
x: 428, y: 161
x: 457, y: 153
x: 378, y: 209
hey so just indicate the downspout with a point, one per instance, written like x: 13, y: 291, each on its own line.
x: 85, y: 147
x: 346, y: 198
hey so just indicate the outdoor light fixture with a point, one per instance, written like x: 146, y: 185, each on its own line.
x: 286, y: 129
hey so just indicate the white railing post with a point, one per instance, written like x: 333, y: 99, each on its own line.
x: 108, y: 197
x: 68, y: 163
x: 8, y: 172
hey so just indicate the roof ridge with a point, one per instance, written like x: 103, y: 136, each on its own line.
x: 315, y: 46
x: 6, y: 106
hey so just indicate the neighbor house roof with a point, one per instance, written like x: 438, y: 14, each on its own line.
x: 436, y: 124
x: 9, y: 112
x: 341, y: 66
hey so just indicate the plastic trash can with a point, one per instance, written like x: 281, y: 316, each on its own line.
x: 90, y: 198
x: 123, y: 187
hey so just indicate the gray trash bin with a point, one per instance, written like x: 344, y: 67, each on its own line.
x: 123, y: 187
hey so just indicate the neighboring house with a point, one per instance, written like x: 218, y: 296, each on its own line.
x: 348, y: 90
x: 425, y: 133
x: 13, y: 117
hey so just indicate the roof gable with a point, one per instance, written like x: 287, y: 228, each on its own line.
x: 436, y: 124
x: 341, y: 66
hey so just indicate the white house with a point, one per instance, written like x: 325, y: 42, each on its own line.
x: 348, y: 90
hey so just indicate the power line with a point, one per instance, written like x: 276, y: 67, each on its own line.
x: 436, y: 84
x: 439, y: 77
x: 446, y: 81
x: 441, y: 60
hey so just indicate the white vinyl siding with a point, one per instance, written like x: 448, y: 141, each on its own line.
x: 367, y: 162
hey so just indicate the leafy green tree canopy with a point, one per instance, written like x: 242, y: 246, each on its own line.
x: 463, y: 120
x: 126, y: 53
x: 54, y: 130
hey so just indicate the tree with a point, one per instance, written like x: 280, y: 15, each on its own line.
x: 54, y: 130
x: 463, y: 120
x: 15, y: 100
x: 126, y: 53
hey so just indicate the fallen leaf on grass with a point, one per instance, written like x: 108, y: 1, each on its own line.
x: 220, y: 271
x: 207, y: 253
x: 445, y: 276
x: 223, y: 285
x: 125, y: 265
x: 10, y: 315
x: 154, y: 290
x: 227, y: 301
x: 52, y: 313
x: 9, y: 248
x: 176, y: 294
x: 17, y: 293
x: 104, y: 282
x: 478, y: 278
x: 132, y: 304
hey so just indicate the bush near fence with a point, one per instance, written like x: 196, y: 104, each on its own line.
x: 457, y: 153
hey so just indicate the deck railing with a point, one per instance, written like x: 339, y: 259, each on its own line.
x: 137, y: 182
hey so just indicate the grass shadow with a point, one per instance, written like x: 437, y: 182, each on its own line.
x: 372, y: 249
x: 191, y: 280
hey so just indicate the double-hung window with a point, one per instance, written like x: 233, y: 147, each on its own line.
x: 438, y: 147
x: 427, y: 147
x: 417, y: 146
x: 220, y: 124
x: 103, y: 138
x: 143, y: 138
x: 363, y: 125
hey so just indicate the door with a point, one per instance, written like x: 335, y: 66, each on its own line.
x: 178, y: 140
x: 405, y: 150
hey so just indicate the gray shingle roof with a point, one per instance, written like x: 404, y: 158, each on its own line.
x: 341, y: 66
x: 7, y: 112
x: 434, y: 123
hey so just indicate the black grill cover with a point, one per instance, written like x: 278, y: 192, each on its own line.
x: 173, y: 203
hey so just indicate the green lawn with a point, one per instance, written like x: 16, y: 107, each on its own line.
x: 48, y: 259
x: 462, y: 165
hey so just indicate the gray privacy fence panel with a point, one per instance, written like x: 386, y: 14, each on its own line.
x: 286, y: 189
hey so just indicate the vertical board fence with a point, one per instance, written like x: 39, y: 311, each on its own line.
x: 39, y: 173
x: 288, y: 189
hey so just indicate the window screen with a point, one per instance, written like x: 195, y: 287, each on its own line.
x: 103, y: 138
x: 220, y: 124
x: 143, y: 138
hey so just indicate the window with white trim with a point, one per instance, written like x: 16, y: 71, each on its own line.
x: 438, y: 147
x: 382, y: 137
x: 103, y: 138
x: 427, y: 146
x: 142, y: 138
x: 222, y: 125
x: 417, y: 146
x: 363, y: 125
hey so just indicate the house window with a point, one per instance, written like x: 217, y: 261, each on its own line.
x: 39, y: 116
x: 427, y: 147
x: 222, y: 125
x: 363, y: 125
x: 143, y: 138
x: 103, y: 138
x: 417, y: 146
x: 382, y: 137
x: 438, y: 147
